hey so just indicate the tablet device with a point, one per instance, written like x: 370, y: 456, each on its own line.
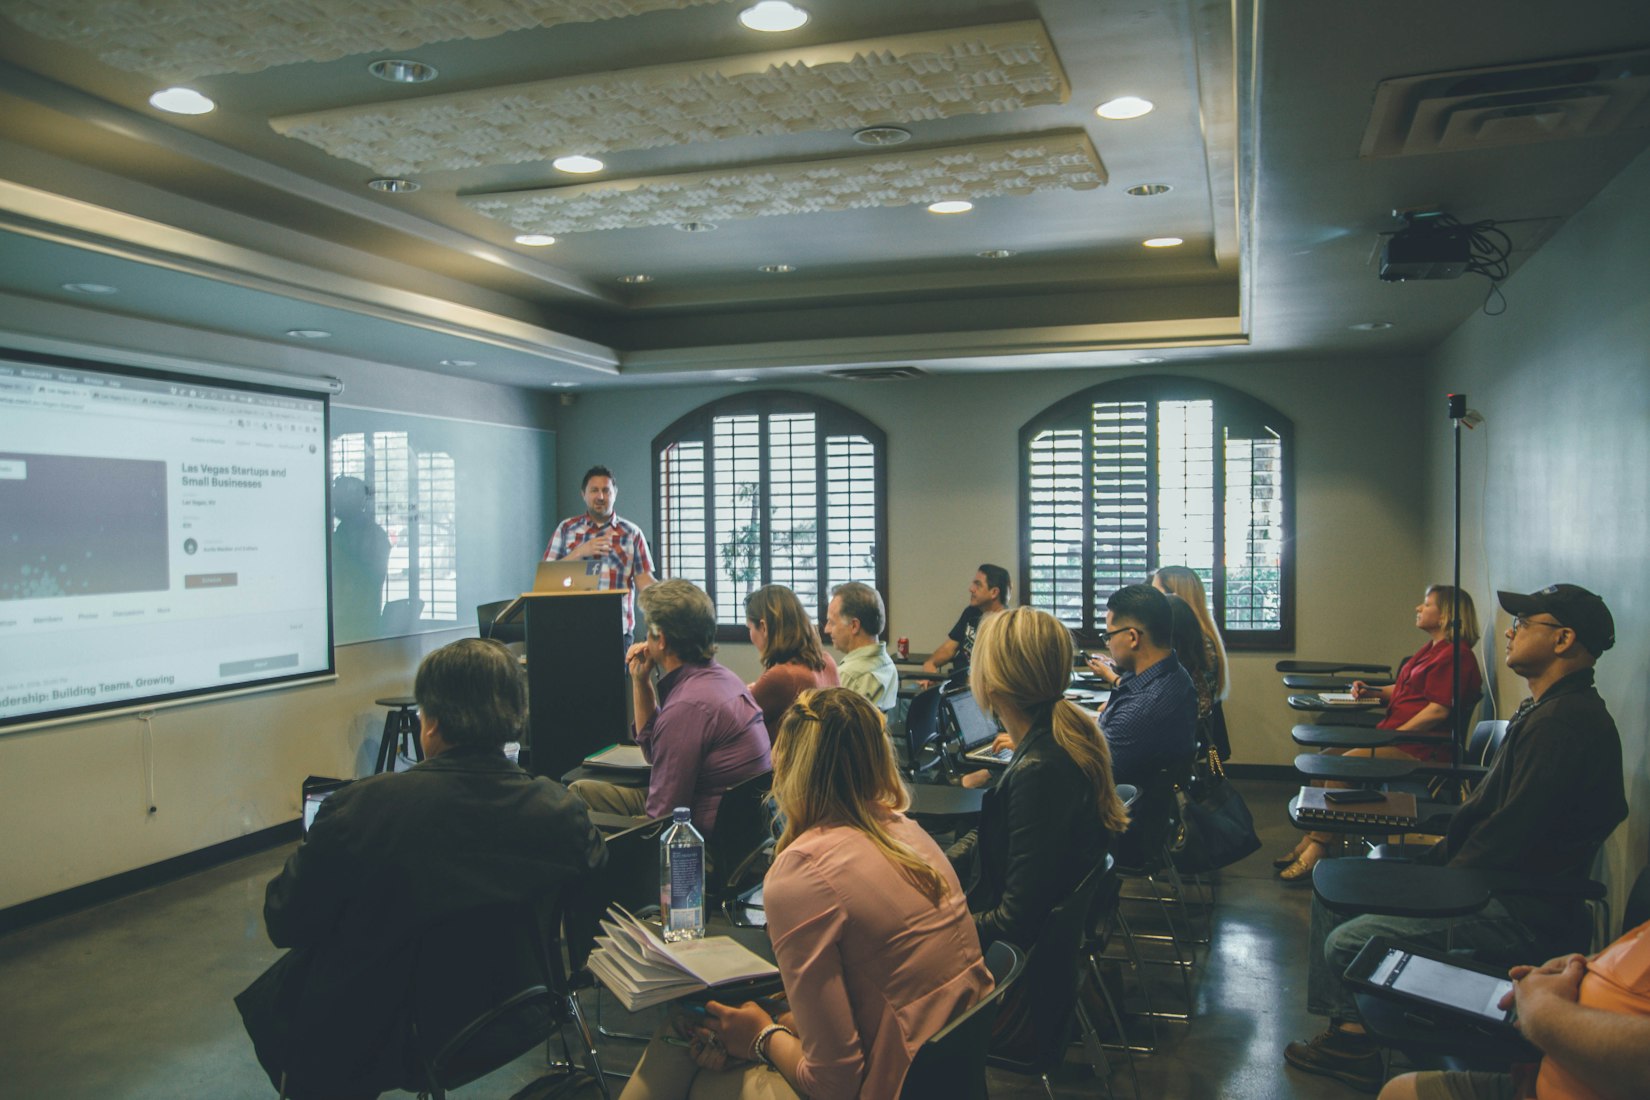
x: 315, y: 790
x: 1434, y: 983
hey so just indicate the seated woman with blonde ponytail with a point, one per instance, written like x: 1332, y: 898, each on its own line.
x: 868, y: 925
x: 1050, y: 818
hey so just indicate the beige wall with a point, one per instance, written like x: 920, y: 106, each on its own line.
x: 73, y: 798
x: 953, y: 468
x: 1556, y: 484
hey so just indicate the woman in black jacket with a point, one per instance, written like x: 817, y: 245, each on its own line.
x: 1049, y: 819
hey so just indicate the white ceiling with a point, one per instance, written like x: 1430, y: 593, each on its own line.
x: 256, y: 219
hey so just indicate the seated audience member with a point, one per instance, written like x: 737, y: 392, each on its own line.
x: 793, y: 661
x: 854, y: 621
x: 1180, y: 581
x: 1551, y: 798
x: 987, y: 592
x: 869, y: 928
x: 1590, y: 1018
x: 1150, y: 722
x: 1049, y: 819
x: 1187, y: 641
x: 1420, y: 701
x: 698, y: 725
x: 390, y: 856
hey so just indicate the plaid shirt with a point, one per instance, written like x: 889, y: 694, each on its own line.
x: 620, y: 567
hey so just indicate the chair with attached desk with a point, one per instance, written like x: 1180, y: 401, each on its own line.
x: 1048, y: 1001
x: 488, y: 987
x: 952, y: 1062
x: 921, y: 734
x: 741, y: 839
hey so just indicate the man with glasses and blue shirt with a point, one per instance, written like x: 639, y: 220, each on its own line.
x: 1151, y: 719
x: 1552, y: 797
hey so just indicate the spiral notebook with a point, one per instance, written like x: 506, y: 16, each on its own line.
x: 1396, y: 809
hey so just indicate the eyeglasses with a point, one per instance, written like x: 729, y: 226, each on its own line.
x: 1519, y: 623
x: 1106, y: 635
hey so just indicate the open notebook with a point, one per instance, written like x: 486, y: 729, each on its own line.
x: 634, y: 962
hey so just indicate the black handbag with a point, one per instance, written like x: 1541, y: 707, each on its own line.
x: 1216, y: 829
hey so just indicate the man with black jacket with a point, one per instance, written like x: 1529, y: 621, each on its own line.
x: 391, y: 856
x: 1552, y: 797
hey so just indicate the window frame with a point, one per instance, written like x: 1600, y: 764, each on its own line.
x: 830, y: 419
x: 1229, y: 406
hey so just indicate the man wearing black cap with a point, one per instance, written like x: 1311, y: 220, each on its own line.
x: 1551, y: 798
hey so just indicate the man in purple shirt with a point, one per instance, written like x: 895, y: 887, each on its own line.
x: 698, y: 725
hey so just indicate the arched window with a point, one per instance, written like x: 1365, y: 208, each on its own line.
x: 1128, y: 476
x: 771, y: 488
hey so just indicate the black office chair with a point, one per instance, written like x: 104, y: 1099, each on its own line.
x: 743, y: 833
x: 488, y: 987
x: 922, y: 732
x: 487, y: 627
x: 951, y: 1063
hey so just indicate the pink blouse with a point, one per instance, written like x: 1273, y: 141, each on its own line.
x: 871, y: 967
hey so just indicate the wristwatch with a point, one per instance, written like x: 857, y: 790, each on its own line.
x: 760, y: 1046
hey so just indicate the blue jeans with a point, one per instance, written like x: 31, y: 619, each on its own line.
x: 1336, y: 941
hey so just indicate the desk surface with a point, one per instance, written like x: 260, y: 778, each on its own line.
x: 935, y: 800
x: 1330, y: 667
x: 1354, y: 769
x: 1318, y: 681
x: 1397, y: 889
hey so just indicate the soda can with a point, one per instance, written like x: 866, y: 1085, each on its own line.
x: 904, y: 647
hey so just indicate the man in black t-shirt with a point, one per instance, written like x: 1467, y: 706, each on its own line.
x: 987, y: 592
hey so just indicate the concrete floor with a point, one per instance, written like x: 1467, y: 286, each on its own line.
x: 132, y: 999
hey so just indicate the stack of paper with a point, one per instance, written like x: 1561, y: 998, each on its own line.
x: 641, y: 969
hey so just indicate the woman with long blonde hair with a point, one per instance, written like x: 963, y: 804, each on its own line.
x: 869, y: 927
x: 1050, y: 818
x: 1178, y: 580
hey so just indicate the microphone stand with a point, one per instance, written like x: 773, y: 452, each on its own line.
x: 1457, y: 411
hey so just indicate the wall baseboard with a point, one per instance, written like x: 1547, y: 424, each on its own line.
x: 141, y: 878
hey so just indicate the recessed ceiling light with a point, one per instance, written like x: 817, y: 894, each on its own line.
x: 1372, y: 326
x: 744, y: 378
x: 401, y: 71
x: 458, y: 362
x: 181, y: 101
x: 635, y: 278
x: 308, y: 333
x: 882, y: 135
x: 391, y: 186
x: 578, y: 164
x: 90, y: 288
x: 776, y: 269
x: 1162, y: 242
x: 995, y: 254
x: 1146, y: 190
x: 773, y: 15
x: 950, y: 206
x: 695, y: 227
x: 1148, y: 359
x: 1126, y: 106
x: 564, y: 385
x: 535, y: 240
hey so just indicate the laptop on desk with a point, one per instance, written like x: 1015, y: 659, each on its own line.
x: 975, y: 728
x: 568, y: 575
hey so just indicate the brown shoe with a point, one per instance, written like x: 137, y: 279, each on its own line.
x: 1346, y: 1056
x: 1301, y: 868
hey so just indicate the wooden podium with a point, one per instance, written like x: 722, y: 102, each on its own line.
x: 575, y: 676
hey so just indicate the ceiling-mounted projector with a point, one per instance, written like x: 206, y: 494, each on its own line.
x: 1430, y: 246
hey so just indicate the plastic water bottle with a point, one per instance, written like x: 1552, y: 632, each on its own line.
x: 682, y: 879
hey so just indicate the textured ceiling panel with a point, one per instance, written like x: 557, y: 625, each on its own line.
x: 181, y: 39
x: 1037, y: 162
x: 840, y: 86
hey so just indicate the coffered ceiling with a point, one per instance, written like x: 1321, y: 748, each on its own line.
x: 762, y: 203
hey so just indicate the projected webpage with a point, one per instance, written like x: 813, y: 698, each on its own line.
x: 158, y: 536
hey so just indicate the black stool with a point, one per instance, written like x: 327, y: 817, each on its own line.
x: 400, y: 732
